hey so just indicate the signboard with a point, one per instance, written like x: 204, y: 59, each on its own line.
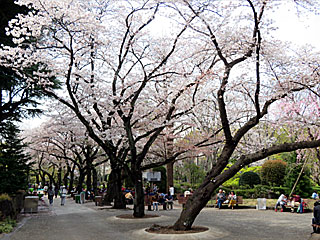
x: 152, y: 176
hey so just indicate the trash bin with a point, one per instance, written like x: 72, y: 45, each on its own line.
x: 77, y: 198
x: 31, y: 204
x: 262, y: 204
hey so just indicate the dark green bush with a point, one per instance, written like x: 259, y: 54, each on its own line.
x: 262, y: 191
x: 273, y: 172
x: 250, y: 179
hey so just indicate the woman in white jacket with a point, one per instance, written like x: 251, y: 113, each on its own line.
x: 63, y: 195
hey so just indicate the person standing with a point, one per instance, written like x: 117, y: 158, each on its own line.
x: 171, y: 190
x: 63, y: 195
x: 50, y: 195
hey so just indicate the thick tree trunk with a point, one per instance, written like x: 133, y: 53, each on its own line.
x: 89, y: 182
x: 169, y: 175
x: 51, y: 180
x: 43, y: 179
x: 108, y: 198
x: 71, y: 178
x: 94, y: 181
x: 59, y: 177
x: 81, y: 181
x: 193, y: 206
x: 37, y: 178
x: 119, y: 199
x: 65, y: 178
x: 114, y: 190
x: 138, y: 203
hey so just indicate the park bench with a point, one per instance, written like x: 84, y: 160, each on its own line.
x: 297, y: 204
x: 226, y: 202
x: 148, y: 202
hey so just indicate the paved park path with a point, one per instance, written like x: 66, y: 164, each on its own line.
x: 88, y: 222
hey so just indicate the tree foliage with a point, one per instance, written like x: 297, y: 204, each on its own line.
x: 18, y: 97
x: 273, y: 172
x: 127, y: 85
x: 14, y: 163
x: 249, y: 178
x: 234, y: 181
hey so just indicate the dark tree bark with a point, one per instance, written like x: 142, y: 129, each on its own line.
x: 169, y: 175
x: 65, y: 177
x: 71, y: 178
x: 94, y: 180
x: 119, y: 199
x: 81, y: 180
x: 59, y: 176
x: 38, y: 178
x: 114, y: 193
x: 138, y: 204
x: 89, y: 177
x: 217, y: 176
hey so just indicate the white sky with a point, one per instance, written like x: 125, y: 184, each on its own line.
x: 302, y: 29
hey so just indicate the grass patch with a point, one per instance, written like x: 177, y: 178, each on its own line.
x: 253, y: 202
x: 7, y: 225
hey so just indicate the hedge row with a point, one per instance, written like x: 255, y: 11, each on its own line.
x: 260, y: 191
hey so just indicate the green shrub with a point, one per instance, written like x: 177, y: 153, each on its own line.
x: 249, y: 178
x: 4, y: 197
x: 245, y: 193
x: 234, y: 181
x: 273, y: 172
x: 7, y: 226
x: 262, y: 191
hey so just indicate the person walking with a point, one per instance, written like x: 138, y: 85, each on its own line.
x: 56, y: 191
x: 50, y: 195
x: 63, y: 195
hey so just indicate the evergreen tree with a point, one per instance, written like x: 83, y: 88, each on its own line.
x: 17, y: 98
x: 14, y: 166
x: 304, y: 185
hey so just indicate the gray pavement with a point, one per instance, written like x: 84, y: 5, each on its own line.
x: 85, y: 222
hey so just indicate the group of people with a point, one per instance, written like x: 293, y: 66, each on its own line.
x: 231, y: 199
x: 161, y: 199
x: 157, y: 198
x: 292, y: 202
x: 63, y: 194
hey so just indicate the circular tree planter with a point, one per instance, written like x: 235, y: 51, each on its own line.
x: 157, y: 232
x: 130, y: 216
x: 169, y: 230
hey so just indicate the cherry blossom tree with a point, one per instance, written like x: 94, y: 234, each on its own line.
x: 128, y: 85
x: 125, y: 84
x: 252, y: 73
x: 63, y: 148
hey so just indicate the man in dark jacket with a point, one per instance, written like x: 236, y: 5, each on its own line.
x: 316, y: 215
